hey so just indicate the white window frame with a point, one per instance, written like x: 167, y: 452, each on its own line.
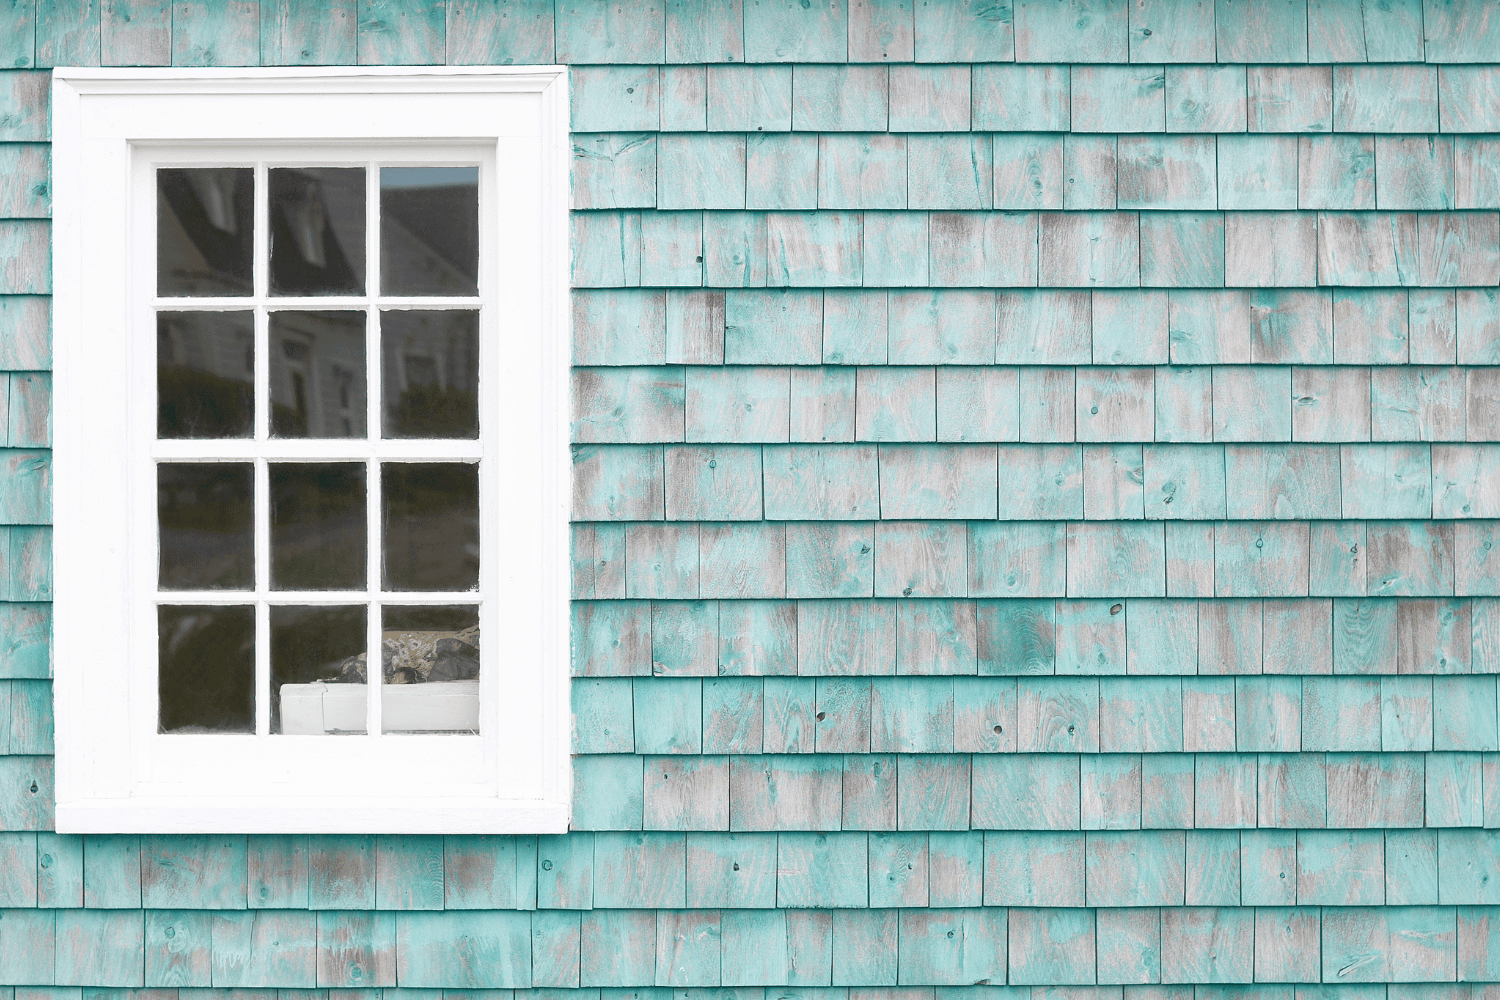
x: 115, y: 773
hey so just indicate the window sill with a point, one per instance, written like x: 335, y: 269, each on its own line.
x: 272, y: 815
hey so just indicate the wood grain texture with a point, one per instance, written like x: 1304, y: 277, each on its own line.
x: 1071, y: 32
x: 215, y: 35
x: 1387, y: 98
x: 59, y: 870
x: 208, y: 872
x: 955, y: 868
x: 687, y: 793
x: 1358, y: 932
x: 303, y: 33
x: 1022, y: 98
x: 135, y: 33
x: 1331, y: 404
x: 500, y: 32
x: 1110, y: 791
x: 777, y: 792
x: 937, y: 481
x: 1290, y: 98
x: 1118, y: 98
x: 1248, y: 241
x: 177, y: 945
x: 983, y: 249
x: 684, y: 104
x: 1026, y: 792
x: 1206, y: 98
x: 1117, y: 558
x: 1052, y: 946
x: 934, y: 792
x: 100, y: 946
x: 840, y: 98
x: 25, y: 246
x: 67, y: 33
x: 1091, y: 637
x: 915, y: 559
x: 1090, y: 249
x: 936, y: 637
x: 1136, y: 869
x: 1016, y: 637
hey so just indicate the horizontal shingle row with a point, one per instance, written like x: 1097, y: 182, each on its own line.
x: 1346, y: 326
x: 651, y: 953
x: 698, y: 870
x: 1278, y: 714
x: 539, y: 31
x: 1122, y: 249
x: 848, y: 870
x: 1051, y: 791
x: 777, y: 404
x: 1142, y: 637
x: 1138, y: 636
x: 1029, y: 171
x: 1032, y: 31
x: 968, y: 327
x: 994, y: 97
x: 1264, y: 991
x: 940, y: 870
x: 1102, y: 559
x: 737, y: 482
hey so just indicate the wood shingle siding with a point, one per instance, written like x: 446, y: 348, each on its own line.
x: 1036, y: 469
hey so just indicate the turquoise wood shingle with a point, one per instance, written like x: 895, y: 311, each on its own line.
x: 1164, y: 32
x: 1022, y: 98
x: 1261, y: 31
x: 1206, y: 98
x: 781, y: 171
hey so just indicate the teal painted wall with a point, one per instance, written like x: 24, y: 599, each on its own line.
x: 1037, y: 472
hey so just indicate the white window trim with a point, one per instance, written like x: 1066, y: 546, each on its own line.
x: 114, y: 772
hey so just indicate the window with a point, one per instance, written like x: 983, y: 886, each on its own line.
x: 311, y: 353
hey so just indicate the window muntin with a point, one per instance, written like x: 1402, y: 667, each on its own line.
x: 355, y: 532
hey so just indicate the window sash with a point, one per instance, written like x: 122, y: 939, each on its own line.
x: 115, y: 773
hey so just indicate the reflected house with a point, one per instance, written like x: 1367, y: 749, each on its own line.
x: 318, y: 386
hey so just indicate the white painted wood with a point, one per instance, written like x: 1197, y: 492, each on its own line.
x: 115, y: 772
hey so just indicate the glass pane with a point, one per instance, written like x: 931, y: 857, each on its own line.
x: 205, y: 669
x: 318, y: 670
x: 430, y: 675
x: 317, y: 231
x: 205, y: 234
x: 206, y: 514
x: 318, y: 526
x: 430, y: 364
x: 431, y: 521
x: 205, y: 375
x: 429, y: 230
x: 317, y: 374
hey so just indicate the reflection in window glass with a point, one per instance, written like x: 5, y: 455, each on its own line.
x: 204, y: 231
x: 430, y: 368
x: 430, y: 537
x: 206, y: 518
x: 318, y: 526
x: 205, y: 374
x: 430, y: 669
x: 429, y: 230
x: 317, y: 374
x: 317, y: 670
x: 317, y: 231
x: 206, y: 673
